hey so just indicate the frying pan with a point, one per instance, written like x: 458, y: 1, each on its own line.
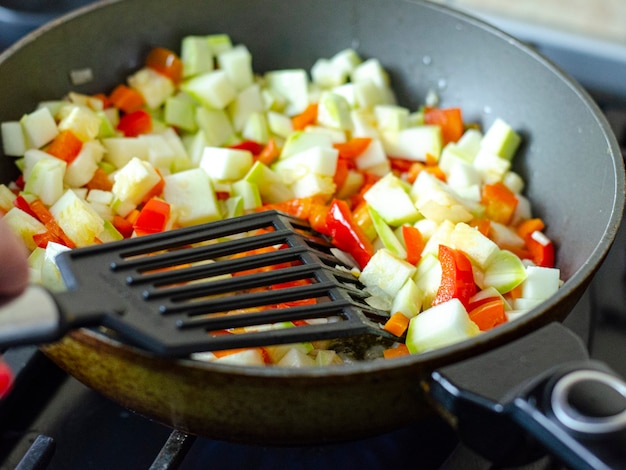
x: 569, y: 158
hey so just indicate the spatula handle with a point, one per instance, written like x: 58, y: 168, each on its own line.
x: 31, y: 318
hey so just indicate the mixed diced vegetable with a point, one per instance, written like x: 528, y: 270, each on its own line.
x: 425, y: 204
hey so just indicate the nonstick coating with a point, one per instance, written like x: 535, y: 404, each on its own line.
x: 570, y: 160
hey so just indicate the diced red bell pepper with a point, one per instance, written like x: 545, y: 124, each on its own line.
x: 541, y: 249
x: 166, y: 63
x: 457, y: 277
x: 135, y: 123
x: 251, y: 146
x: 21, y: 203
x: 6, y: 378
x: 346, y: 233
x: 152, y: 217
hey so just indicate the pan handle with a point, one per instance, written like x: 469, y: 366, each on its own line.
x: 575, y: 411
x: 31, y: 318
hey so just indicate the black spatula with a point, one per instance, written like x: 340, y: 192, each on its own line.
x: 176, y: 292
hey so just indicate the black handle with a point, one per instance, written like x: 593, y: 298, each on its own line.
x: 540, y: 394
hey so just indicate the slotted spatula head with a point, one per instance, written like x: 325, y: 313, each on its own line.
x: 240, y: 282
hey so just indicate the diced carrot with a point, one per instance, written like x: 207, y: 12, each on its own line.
x: 436, y: 171
x: 353, y: 147
x: 499, y: 201
x: 341, y: 172
x: 413, y: 242
x: 123, y: 226
x: 270, y: 153
x: 126, y: 98
x: 44, y: 215
x: 527, y: 227
x: 65, y: 146
x: 488, y: 315
x: 132, y: 216
x: 100, y: 180
x: 157, y: 189
x: 397, y: 324
x: 363, y: 219
x: 482, y: 225
x: 450, y: 120
x: 400, y: 350
x: 414, y: 171
x: 305, y: 118
x: 166, y: 63
x: 317, y: 217
x: 431, y: 160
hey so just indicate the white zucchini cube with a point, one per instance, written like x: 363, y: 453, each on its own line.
x: 192, y: 195
x: 121, y: 150
x: 46, y: 179
x: 80, y: 222
x: 385, y: 273
x: 196, y: 55
x: 334, y: 111
x: 317, y: 160
x: 212, y: 89
x: 390, y: 198
x: 13, y: 139
x: 293, y: 86
x: 83, y: 122
x: 247, y: 102
x: 153, y: 86
x: 215, y: 125
x: 237, y: 63
x: 279, y: 124
x: 80, y: 171
x: 541, y: 283
x: 414, y: 143
x: 479, y: 248
x: 39, y: 127
x: 24, y: 226
x: 408, y: 300
x: 132, y: 183
x: 300, y: 141
x: 439, y: 326
x: 501, y: 139
x: 225, y: 164
x: 269, y: 183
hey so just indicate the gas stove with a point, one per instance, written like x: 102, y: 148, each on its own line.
x: 52, y: 421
